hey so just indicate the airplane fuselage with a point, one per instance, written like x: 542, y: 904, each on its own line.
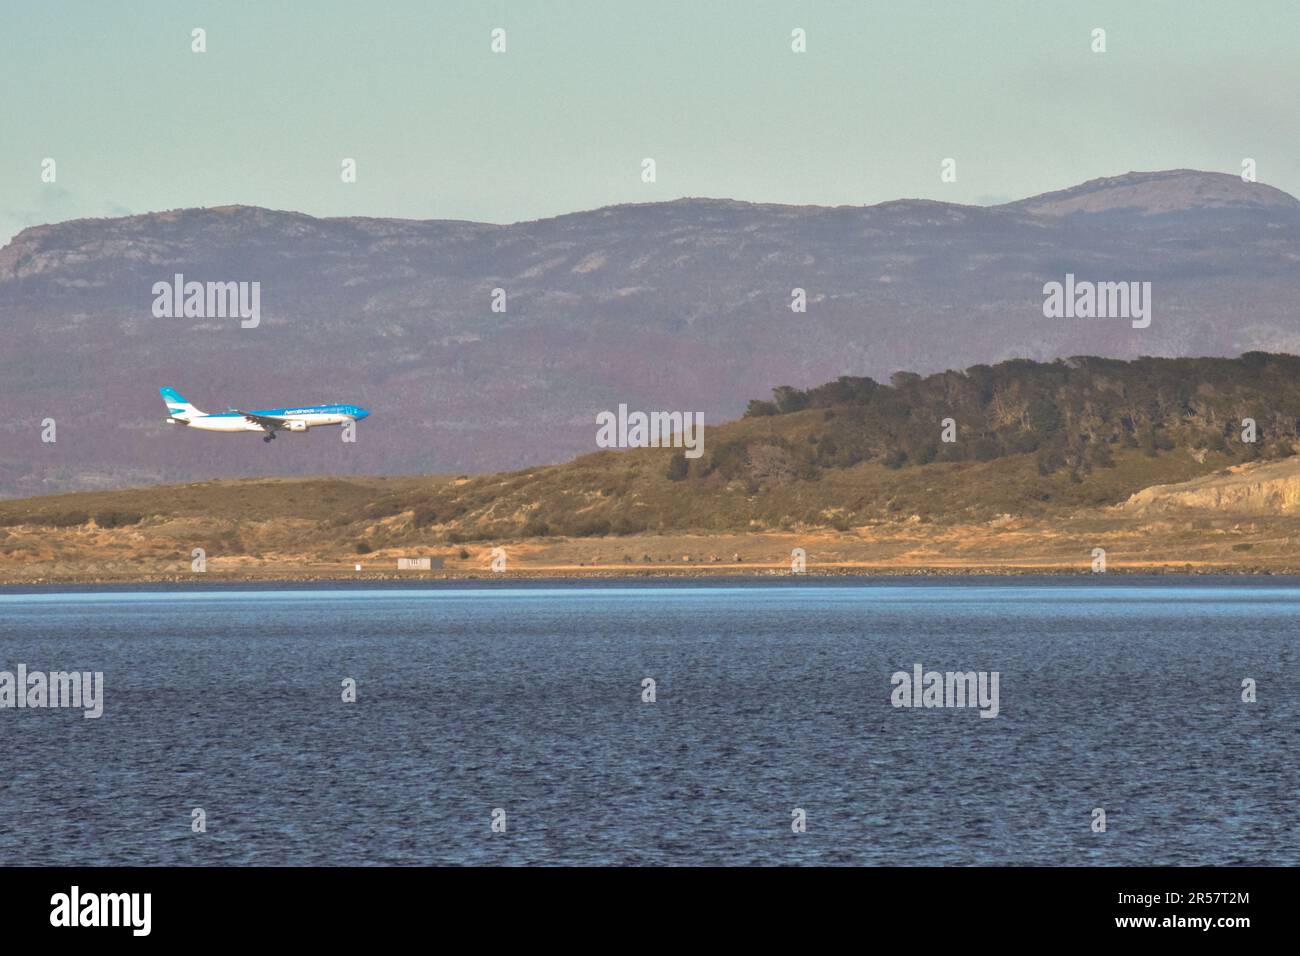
x: 265, y: 420
x: 295, y: 419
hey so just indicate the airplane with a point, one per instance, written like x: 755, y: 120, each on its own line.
x: 269, y: 420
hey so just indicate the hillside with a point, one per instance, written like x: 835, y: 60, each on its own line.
x: 1268, y: 488
x: 682, y: 304
x: 1046, y: 456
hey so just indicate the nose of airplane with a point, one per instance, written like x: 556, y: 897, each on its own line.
x: 361, y: 413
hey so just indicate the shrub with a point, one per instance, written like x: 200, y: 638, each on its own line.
x: 66, y: 519
x: 624, y: 524
x: 789, y: 399
x: 730, y: 460
x: 117, y: 519
x: 1099, y: 454
x: 1049, y: 461
x: 384, y: 508
x: 1022, y: 443
x: 925, y: 454
x: 536, y: 528
x: 589, y: 527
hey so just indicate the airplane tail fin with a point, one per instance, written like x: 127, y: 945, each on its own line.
x: 178, y: 406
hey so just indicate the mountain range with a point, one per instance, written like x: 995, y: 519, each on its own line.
x: 682, y: 305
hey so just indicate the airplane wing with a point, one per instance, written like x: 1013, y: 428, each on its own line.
x: 268, y: 422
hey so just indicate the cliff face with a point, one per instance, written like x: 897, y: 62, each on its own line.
x: 1253, y: 489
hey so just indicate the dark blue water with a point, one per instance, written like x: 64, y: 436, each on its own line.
x: 1119, y: 695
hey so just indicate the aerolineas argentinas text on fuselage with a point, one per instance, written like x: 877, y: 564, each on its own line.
x: 266, y: 420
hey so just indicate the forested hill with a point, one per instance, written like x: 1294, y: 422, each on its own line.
x: 1028, y: 438
x: 1070, y: 414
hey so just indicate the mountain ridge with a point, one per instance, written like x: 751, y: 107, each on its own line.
x: 681, y: 305
x: 1154, y: 192
x: 1250, y: 194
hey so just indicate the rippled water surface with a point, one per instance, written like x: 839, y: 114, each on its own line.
x: 770, y: 696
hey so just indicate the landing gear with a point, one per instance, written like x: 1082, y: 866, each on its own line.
x: 269, y: 436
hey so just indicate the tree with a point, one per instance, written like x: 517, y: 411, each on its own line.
x: 1044, y: 417
x: 895, y: 459
x: 789, y: 399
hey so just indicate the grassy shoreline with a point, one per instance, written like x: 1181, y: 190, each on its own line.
x: 273, y: 551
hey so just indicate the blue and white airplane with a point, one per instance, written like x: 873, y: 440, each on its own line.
x: 268, y: 420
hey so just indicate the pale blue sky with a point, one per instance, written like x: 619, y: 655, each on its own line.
x: 443, y: 128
